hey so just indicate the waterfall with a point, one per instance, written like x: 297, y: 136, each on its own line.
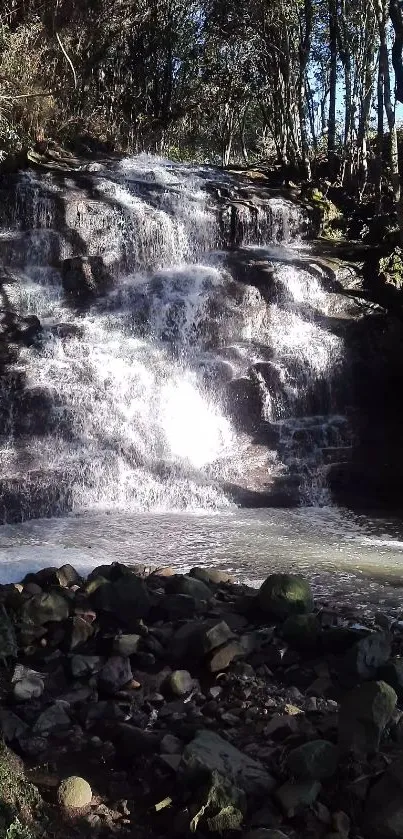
x: 130, y: 394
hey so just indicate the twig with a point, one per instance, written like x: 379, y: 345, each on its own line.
x: 67, y: 57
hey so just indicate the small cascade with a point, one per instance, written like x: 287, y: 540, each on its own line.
x: 145, y: 363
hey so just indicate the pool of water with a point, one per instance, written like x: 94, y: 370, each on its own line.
x: 356, y: 560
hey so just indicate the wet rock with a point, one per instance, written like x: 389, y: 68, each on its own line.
x: 363, y: 715
x: 74, y: 793
x: 45, y: 608
x: 220, y: 806
x: 54, y: 717
x: 116, y: 673
x: 244, y: 403
x: 84, y: 277
x: 294, y: 796
x: 282, y: 595
x: 368, y: 654
x: 384, y: 805
x: 302, y: 632
x: 315, y: 760
x: 182, y: 584
x: 211, y: 575
x: 180, y: 682
x: 208, y: 751
x: 126, y: 645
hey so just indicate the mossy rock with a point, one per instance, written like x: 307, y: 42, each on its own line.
x: 327, y: 218
x: 282, y: 595
x: 390, y: 268
x: 20, y: 802
x: 220, y: 806
x: 302, y: 632
x: 74, y: 793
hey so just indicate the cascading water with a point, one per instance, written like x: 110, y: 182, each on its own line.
x: 125, y: 394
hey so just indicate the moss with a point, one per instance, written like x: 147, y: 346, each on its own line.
x: 390, y: 268
x: 20, y: 801
x: 221, y: 806
x: 328, y: 219
x: 74, y: 793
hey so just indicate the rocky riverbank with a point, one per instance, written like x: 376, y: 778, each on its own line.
x: 138, y: 703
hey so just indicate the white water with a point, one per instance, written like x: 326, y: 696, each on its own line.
x: 135, y: 417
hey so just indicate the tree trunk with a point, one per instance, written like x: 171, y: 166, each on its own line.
x: 378, y: 172
x: 331, y: 136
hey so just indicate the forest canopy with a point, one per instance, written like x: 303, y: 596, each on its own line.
x: 213, y: 80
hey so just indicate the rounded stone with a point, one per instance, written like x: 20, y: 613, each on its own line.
x: 180, y: 682
x: 282, y: 595
x: 31, y: 687
x: 74, y: 793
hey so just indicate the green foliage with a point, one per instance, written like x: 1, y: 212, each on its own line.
x: 16, y: 830
x: 390, y: 268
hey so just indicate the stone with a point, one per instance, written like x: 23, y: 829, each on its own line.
x: 214, y: 636
x: 79, y: 631
x: 116, y: 673
x: 209, y: 751
x: 341, y: 822
x: 180, y: 682
x: 126, y: 645
x: 368, y: 655
x: 265, y: 833
x: 282, y: 595
x: 392, y: 674
x: 67, y: 576
x: 45, y: 608
x: 315, y: 760
x: 281, y: 726
x: 74, y: 793
x: 171, y: 745
x: 384, y: 805
x: 84, y: 666
x: 294, y: 796
x: 222, y: 657
x: 31, y: 687
x: 220, y: 806
x: 302, y: 632
x: 211, y: 575
x: 8, y: 640
x: 11, y: 726
x: 182, y: 584
x: 133, y: 742
x: 363, y: 715
x: 127, y: 597
x: 53, y: 717
x: 179, y: 606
